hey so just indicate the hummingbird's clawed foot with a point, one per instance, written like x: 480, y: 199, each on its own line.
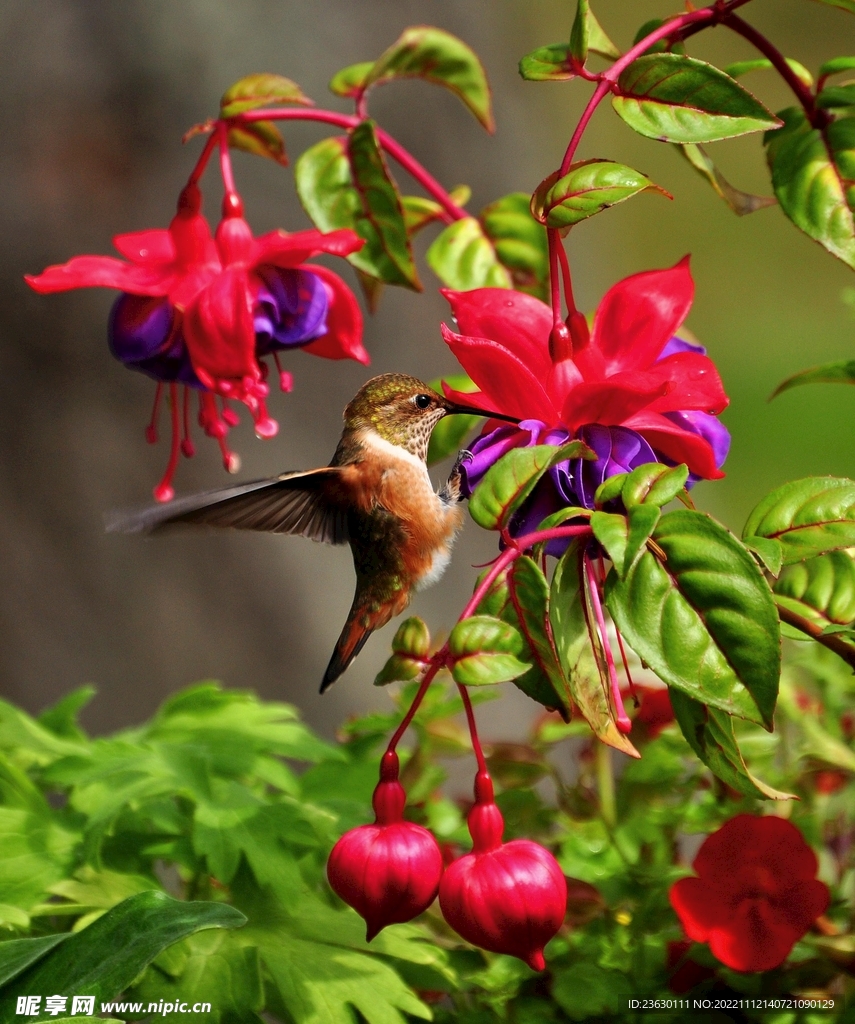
x: 452, y: 490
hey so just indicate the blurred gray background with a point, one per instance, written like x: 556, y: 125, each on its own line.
x: 95, y: 97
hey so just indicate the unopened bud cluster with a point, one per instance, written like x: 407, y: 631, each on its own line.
x: 504, y: 897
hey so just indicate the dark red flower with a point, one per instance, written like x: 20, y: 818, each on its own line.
x: 504, y: 897
x: 654, y: 710
x: 756, y: 893
x: 631, y: 379
x: 388, y: 872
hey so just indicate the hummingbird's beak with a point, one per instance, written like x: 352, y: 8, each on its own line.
x: 453, y: 409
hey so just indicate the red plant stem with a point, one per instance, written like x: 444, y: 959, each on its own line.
x: 151, y: 429
x: 204, y: 157
x: 437, y: 662
x: 623, y: 722
x: 165, y: 484
x: 566, y: 277
x: 390, y: 145
x: 704, y: 17
x: 226, y: 160
x: 779, y: 63
x: 554, y: 283
x: 473, y: 729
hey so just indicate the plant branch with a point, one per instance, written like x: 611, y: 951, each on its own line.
x: 473, y: 731
x: 835, y: 643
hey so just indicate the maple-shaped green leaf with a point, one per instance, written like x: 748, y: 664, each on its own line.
x: 740, y: 202
x: 673, y: 98
x: 436, y: 56
x: 588, y: 188
x: 813, y: 175
x: 261, y: 90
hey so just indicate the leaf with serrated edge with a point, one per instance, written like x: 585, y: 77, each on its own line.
x: 742, y: 203
x: 261, y: 138
x: 710, y: 734
x: 812, y: 176
x: 842, y: 372
x: 807, y: 516
x: 508, y: 482
x: 463, y: 257
x: 587, y: 189
x: 705, y: 620
x: 261, y: 90
x: 673, y: 98
x: 439, y: 57
x: 519, y: 242
x: 574, y: 645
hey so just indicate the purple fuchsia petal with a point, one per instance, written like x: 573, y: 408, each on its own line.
x: 619, y: 450
x: 490, y: 447
x: 710, y: 428
x: 142, y: 335
x: 290, y: 309
x: 676, y: 345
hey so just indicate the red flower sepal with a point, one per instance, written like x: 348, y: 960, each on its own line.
x: 388, y: 872
x: 504, y: 897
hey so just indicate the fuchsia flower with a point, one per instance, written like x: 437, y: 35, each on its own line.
x: 203, y: 311
x: 633, y: 391
x: 756, y: 893
x: 504, y: 897
x: 388, y: 872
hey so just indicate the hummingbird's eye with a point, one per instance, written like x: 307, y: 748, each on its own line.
x: 422, y: 401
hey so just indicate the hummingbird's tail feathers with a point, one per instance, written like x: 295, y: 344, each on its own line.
x: 350, y: 643
x: 302, y: 503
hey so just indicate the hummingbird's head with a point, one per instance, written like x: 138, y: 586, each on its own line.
x: 402, y: 410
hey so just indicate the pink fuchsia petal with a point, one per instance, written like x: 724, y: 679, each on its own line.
x: 219, y: 331
x: 103, y: 272
x: 343, y: 339
x: 699, y: 908
x: 517, y: 322
x: 639, y: 315
x: 506, y: 380
x: 695, y: 384
x: 152, y: 246
x: 676, y: 444
x: 280, y: 249
x: 611, y: 402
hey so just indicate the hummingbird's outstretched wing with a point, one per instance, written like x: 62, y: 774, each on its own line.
x: 308, y: 504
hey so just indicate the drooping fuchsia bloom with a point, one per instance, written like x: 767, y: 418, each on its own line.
x: 632, y: 390
x: 504, y: 897
x: 203, y: 311
x: 756, y: 893
x: 388, y: 872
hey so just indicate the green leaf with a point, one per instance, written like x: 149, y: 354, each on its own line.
x: 624, y: 537
x: 842, y: 372
x: 61, y: 719
x: 587, y: 189
x: 579, y: 650
x: 740, y: 202
x: 528, y: 610
x: 673, y: 98
x: 519, y: 242
x: 770, y: 552
x: 547, y: 64
x: 836, y: 65
x: 704, y: 620
x: 485, y: 651
x: 816, y: 741
x: 844, y: 5
x: 837, y: 96
x: 508, y: 482
x: 812, y: 174
x: 410, y: 647
x: 710, y: 734
x: 743, y: 67
x: 821, y: 589
x: 261, y: 90
x: 463, y: 257
x: 17, y: 955
x: 35, y: 853
x: 352, y: 80
x: 261, y: 138
x: 343, y: 183
x: 587, y: 35
x: 439, y: 57
x: 653, y: 484
x: 808, y: 516
x: 105, y: 958
x: 449, y: 434
x: 661, y: 45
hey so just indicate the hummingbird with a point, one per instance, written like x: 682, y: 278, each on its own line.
x: 375, y: 495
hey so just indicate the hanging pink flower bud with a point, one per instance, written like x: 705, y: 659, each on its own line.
x: 504, y: 897
x: 388, y: 872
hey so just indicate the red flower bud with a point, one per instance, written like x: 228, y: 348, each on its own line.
x: 504, y: 897
x: 388, y: 872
